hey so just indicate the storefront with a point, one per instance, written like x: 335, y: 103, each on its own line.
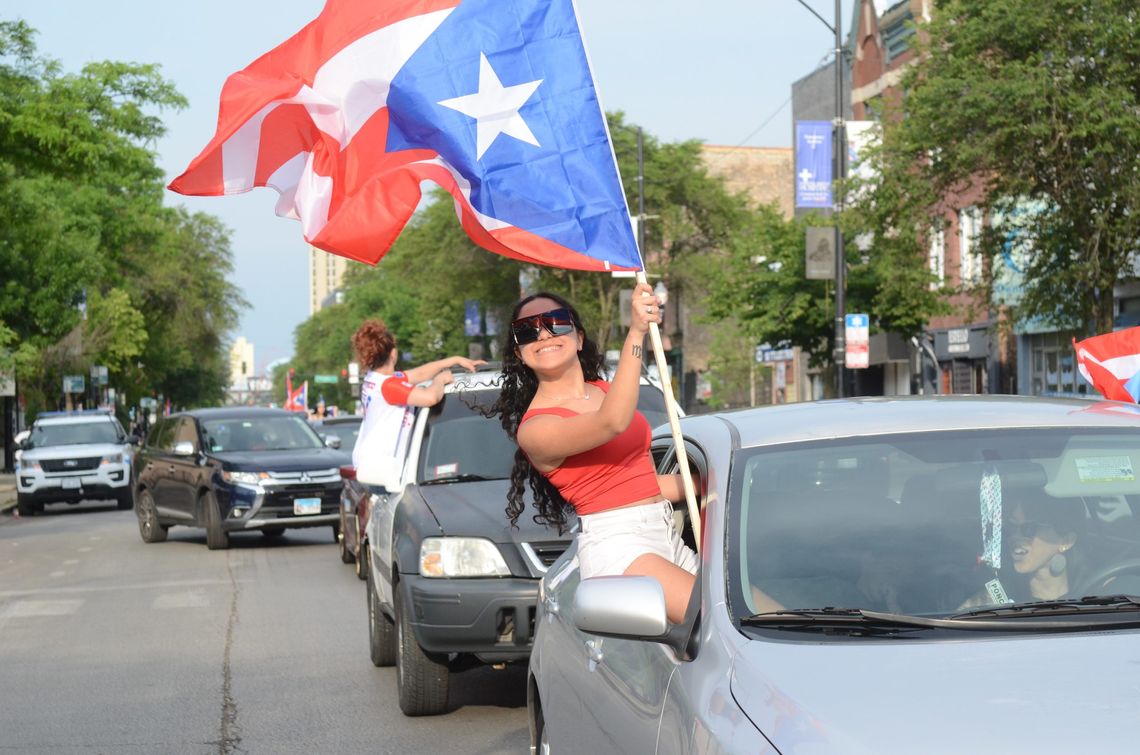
x: 964, y: 356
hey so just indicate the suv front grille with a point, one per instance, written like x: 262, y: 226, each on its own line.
x: 542, y: 554
x: 70, y: 465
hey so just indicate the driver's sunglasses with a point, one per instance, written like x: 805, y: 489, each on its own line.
x: 1027, y: 530
x: 558, y: 322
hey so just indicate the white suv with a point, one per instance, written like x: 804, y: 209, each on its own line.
x: 73, y: 456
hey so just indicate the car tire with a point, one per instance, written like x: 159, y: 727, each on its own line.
x: 216, y: 537
x: 125, y: 500
x: 24, y: 505
x: 362, y: 556
x: 381, y: 630
x: 422, y: 679
x: 541, y: 736
x: 346, y: 556
x: 149, y: 528
x: 336, y: 533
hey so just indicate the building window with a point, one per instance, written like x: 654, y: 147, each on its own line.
x: 1053, y: 366
x: 969, y: 246
x: 938, y: 258
x: 896, y: 36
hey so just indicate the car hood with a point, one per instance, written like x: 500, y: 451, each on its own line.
x: 280, y: 461
x: 479, y: 508
x: 76, y: 451
x: 1029, y: 693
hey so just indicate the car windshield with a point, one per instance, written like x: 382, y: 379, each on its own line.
x: 460, y: 443
x: 936, y: 523
x: 70, y: 434
x: 268, y: 433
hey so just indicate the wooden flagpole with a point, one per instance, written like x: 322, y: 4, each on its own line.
x: 674, y: 424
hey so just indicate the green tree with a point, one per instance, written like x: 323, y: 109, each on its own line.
x: 81, y: 194
x: 1036, y: 105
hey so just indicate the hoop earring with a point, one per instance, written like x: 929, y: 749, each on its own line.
x: 1058, y: 564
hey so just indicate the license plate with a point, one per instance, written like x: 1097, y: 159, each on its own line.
x: 70, y: 483
x: 303, y: 506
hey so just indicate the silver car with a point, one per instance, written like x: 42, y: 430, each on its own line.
x: 937, y: 575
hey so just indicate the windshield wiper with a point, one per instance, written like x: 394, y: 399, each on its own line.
x: 860, y: 619
x: 1060, y: 607
x: 830, y: 618
x: 459, y: 478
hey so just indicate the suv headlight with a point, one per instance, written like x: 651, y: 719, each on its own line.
x: 112, y: 459
x: 461, y: 557
x: 245, y: 478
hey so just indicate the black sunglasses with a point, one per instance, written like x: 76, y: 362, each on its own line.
x: 1027, y: 530
x: 558, y: 322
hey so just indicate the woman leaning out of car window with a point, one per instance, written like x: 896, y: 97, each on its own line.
x: 585, y: 447
x: 389, y: 396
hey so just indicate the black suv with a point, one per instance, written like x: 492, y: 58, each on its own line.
x: 233, y: 470
x: 450, y: 582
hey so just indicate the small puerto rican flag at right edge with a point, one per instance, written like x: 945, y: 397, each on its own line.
x: 1111, y: 363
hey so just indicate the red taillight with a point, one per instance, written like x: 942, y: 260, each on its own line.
x: 348, y: 473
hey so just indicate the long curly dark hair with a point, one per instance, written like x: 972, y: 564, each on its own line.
x: 519, y: 384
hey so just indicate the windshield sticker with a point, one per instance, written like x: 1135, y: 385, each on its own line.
x: 1105, y: 469
x: 997, y: 592
x: 989, y: 498
x: 445, y: 470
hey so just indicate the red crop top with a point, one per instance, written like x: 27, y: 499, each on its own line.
x: 615, y: 473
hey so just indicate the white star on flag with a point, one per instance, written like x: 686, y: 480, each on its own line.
x: 495, y: 108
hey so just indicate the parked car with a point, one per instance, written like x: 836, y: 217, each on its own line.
x: 450, y: 583
x: 68, y: 457
x: 339, y: 432
x: 235, y: 469
x: 877, y: 576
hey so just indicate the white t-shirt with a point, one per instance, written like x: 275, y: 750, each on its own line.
x: 388, y: 419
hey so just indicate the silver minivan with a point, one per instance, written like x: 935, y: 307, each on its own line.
x: 897, y: 575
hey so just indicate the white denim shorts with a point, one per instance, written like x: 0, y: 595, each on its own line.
x: 609, y: 541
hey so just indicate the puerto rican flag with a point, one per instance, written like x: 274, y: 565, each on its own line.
x: 491, y: 99
x: 297, y: 400
x: 1111, y: 363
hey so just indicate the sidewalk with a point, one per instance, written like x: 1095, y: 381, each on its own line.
x: 7, y: 492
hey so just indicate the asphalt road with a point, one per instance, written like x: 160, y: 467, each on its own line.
x: 111, y: 645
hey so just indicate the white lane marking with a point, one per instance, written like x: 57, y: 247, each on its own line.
x: 27, y: 608
x: 58, y: 574
x: 185, y: 599
x: 118, y: 588
x: 71, y: 561
x: 84, y: 549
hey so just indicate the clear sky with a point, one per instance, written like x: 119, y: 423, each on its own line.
x: 717, y: 70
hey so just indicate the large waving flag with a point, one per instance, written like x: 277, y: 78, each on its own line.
x: 1111, y: 363
x: 491, y: 99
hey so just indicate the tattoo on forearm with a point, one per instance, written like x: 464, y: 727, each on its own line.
x: 636, y: 351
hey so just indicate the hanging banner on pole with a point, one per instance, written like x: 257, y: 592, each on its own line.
x: 819, y: 256
x: 813, y: 164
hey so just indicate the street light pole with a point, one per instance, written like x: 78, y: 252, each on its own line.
x: 840, y: 146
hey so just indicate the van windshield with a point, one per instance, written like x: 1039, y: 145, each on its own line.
x: 936, y: 523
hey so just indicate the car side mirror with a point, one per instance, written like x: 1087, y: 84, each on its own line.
x: 25, y: 444
x: 382, y: 472
x: 626, y: 607
x: 184, y: 448
x: 332, y: 441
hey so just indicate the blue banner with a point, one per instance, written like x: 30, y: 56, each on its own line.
x: 813, y: 164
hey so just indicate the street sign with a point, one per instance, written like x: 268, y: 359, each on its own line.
x: 353, y: 373
x: 765, y: 354
x: 7, y: 383
x: 857, y: 335
x: 324, y: 378
x: 98, y: 374
x: 74, y: 384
